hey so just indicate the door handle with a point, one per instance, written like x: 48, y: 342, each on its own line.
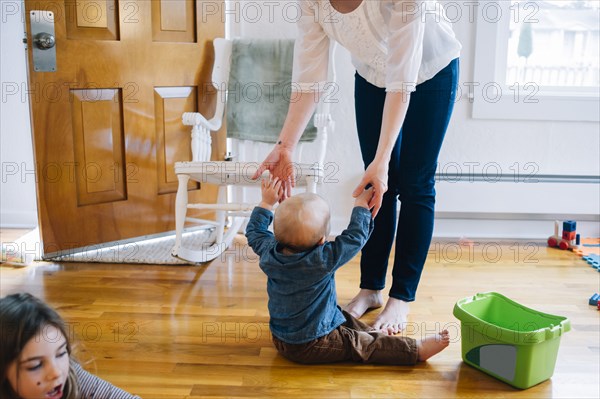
x: 44, y: 41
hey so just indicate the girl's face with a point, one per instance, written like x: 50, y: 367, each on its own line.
x: 42, y: 369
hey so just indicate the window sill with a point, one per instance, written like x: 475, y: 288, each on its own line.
x: 542, y: 106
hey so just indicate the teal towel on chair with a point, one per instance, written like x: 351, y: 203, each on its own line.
x: 259, y: 90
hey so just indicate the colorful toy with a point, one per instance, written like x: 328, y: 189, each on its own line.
x: 593, y: 260
x: 594, y: 300
x: 569, y: 239
x: 589, y: 246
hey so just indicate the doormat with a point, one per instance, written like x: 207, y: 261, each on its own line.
x: 155, y: 251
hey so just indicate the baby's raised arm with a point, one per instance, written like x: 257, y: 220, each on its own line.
x: 351, y: 241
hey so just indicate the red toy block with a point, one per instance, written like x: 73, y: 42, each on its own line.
x: 569, y: 235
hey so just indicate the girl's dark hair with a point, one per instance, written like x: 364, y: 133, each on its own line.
x: 22, y: 317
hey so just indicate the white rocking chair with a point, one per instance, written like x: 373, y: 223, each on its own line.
x: 231, y: 216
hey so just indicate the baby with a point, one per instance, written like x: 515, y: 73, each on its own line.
x: 306, y: 322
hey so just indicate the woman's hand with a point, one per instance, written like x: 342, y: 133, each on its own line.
x: 279, y: 161
x: 279, y: 164
x: 376, y: 176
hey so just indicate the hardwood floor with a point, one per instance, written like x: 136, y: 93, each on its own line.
x: 202, y: 331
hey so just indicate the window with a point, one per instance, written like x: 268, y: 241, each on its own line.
x: 544, y: 62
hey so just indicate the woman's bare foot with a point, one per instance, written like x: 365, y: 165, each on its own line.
x: 392, y: 318
x: 363, y: 301
x: 430, y: 346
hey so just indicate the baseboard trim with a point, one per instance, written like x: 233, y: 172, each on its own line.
x: 511, y: 178
x: 515, y: 216
x: 498, y: 225
x: 506, y: 229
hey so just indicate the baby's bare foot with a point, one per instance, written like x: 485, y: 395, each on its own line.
x: 363, y: 301
x: 393, y: 317
x: 432, y: 345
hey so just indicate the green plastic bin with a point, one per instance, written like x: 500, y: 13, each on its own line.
x: 507, y: 340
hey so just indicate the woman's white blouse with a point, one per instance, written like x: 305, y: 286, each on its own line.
x: 395, y: 44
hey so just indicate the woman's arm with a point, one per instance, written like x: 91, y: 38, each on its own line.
x: 394, y: 112
x: 279, y: 161
x: 311, y: 64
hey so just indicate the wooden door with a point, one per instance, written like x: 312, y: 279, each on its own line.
x: 107, y: 123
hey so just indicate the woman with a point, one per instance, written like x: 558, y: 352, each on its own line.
x: 406, y: 57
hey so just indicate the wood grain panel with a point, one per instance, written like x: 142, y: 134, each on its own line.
x: 172, y: 137
x: 92, y: 19
x: 92, y: 14
x: 173, y: 15
x: 98, y: 144
x: 174, y: 21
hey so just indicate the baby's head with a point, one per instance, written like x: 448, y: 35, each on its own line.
x: 34, y: 350
x: 302, y: 222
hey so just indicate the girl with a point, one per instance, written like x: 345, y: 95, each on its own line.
x: 35, y: 355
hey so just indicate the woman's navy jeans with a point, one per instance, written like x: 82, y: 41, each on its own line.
x: 411, y: 179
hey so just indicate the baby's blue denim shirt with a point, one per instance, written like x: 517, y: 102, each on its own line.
x: 301, y: 287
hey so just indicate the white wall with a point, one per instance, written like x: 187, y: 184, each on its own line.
x: 17, y: 196
x: 473, y: 207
